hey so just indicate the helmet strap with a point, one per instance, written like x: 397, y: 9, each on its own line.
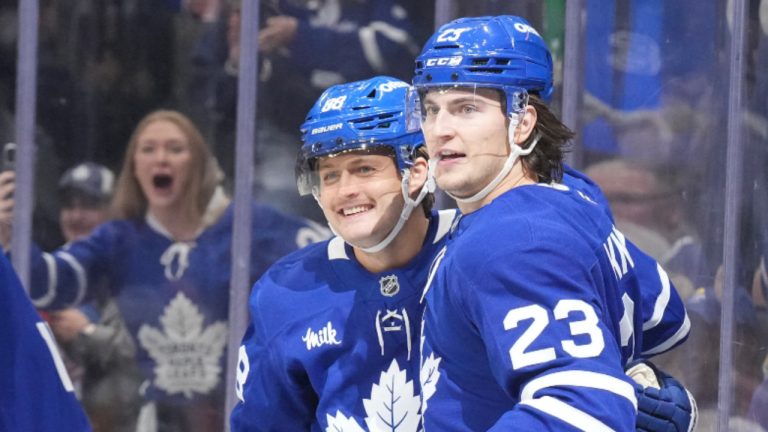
x: 410, y: 204
x: 515, y: 152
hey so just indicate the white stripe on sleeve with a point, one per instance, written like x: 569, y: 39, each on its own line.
x: 669, y: 343
x: 573, y: 416
x: 580, y: 378
x: 47, y: 298
x: 661, y: 301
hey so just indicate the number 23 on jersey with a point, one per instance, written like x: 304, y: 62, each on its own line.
x: 581, y: 319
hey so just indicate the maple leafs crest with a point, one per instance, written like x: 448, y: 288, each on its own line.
x: 393, y: 406
x: 187, y: 356
x: 342, y: 423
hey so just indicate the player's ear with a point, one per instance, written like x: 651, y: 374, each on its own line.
x: 418, y: 175
x: 525, y: 127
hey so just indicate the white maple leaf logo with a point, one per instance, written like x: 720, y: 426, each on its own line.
x: 428, y: 377
x: 342, y: 423
x: 393, y: 406
x: 187, y: 356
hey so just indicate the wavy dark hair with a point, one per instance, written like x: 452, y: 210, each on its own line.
x: 546, y: 160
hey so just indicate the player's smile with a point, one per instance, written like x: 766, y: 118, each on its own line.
x: 362, y: 216
x: 356, y: 210
x: 358, y: 193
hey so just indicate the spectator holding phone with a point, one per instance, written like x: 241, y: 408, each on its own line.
x: 166, y: 258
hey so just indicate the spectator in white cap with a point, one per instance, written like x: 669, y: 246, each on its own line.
x: 86, y: 190
x: 93, y: 336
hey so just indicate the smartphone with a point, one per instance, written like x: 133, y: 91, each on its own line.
x: 8, y: 158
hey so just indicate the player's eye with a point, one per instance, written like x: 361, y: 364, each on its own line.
x: 468, y: 109
x: 330, y: 177
x: 430, y: 110
x: 365, y: 169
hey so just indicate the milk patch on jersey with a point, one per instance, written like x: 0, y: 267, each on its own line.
x: 324, y: 336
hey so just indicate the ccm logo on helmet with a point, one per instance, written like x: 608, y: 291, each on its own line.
x: 525, y: 28
x: 442, y: 61
x: 451, y: 35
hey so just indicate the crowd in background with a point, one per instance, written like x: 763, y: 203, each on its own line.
x: 652, y: 136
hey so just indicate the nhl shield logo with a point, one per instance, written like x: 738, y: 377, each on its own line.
x: 389, y: 286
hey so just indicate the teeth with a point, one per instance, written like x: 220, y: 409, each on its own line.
x: 355, y: 210
x: 447, y: 153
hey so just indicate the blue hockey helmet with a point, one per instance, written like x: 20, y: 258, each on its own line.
x: 503, y: 52
x: 362, y: 115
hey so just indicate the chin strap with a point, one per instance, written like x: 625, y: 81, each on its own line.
x: 410, y: 204
x: 515, y: 152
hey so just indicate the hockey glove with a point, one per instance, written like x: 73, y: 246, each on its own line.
x: 664, y: 405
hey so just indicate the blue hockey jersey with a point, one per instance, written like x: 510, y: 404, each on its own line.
x: 174, y: 296
x: 36, y: 393
x: 332, y: 346
x: 662, y: 318
x: 533, y: 308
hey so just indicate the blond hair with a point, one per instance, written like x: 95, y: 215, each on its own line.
x: 130, y: 202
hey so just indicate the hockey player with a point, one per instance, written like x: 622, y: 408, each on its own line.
x: 37, y: 394
x: 532, y: 307
x: 166, y: 259
x: 335, y: 334
x: 332, y: 341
